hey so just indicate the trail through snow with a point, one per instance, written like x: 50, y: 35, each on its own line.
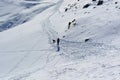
x: 33, y: 55
x: 26, y: 59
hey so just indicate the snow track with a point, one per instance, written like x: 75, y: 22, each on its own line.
x: 80, y: 49
x: 33, y: 55
x: 40, y: 55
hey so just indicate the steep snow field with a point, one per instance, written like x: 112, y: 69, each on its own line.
x: 89, y: 40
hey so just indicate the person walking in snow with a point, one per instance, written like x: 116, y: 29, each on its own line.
x: 58, y: 42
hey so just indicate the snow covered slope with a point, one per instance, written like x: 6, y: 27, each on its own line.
x: 16, y: 13
x: 97, y: 23
x: 89, y: 41
x: 31, y: 32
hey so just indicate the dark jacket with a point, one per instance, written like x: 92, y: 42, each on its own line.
x: 58, y: 41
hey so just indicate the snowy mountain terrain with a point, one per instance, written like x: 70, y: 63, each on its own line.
x: 89, y: 32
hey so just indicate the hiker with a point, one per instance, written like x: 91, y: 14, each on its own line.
x: 58, y: 42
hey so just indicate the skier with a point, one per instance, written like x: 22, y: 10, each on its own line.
x: 58, y: 47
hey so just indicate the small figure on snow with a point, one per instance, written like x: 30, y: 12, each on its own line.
x: 58, y: 42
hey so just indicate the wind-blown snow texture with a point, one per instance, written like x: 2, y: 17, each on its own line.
x: 89, y: 40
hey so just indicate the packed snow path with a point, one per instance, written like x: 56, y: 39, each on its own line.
x: 32, y: 55
x: 82, y: 49
x: 76, y: 50
x: 68, y: 49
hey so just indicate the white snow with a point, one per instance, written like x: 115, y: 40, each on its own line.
x: 28, y: 53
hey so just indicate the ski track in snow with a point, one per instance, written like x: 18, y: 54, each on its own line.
x: 66, y: 50
x: 27, y: 53
x: 66, y: 47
